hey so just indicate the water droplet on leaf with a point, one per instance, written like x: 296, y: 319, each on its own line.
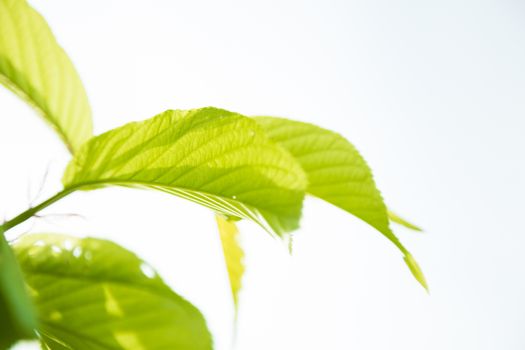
x: 77, y: 252
x: 147, y: 270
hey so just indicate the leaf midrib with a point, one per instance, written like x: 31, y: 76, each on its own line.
x: 69, y: 331
x: 83, y: 185
x: 94, y: 281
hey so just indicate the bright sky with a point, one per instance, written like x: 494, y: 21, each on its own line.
x: 431, y: 92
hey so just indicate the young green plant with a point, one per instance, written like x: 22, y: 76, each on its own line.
x: 88, y: 293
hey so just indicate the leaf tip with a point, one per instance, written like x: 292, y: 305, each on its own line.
x: 401, y: 221
x: 416, y: 270
x: 290, y: 244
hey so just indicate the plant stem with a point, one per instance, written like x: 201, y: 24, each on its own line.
x: 32, y: 211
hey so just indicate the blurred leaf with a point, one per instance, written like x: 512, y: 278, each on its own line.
x: 17, y: 316
x: 337, y: 174
x: 210, y: 156
x: 94, y: 294
x: 233, y: 256
x: 415, y: 269
x: 37, y: 69
x: 399, y: 220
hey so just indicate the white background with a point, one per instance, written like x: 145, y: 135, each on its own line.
x: 431, y: 92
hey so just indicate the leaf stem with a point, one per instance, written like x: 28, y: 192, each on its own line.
x: 33, y: 210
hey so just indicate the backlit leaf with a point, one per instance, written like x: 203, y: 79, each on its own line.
x: 233, y: 256
x: 37, y: 69
x: 17, y: 316
x: 337, y: 174
x: 94, y: 294
x: 399, y: 220
x: 213, y: 157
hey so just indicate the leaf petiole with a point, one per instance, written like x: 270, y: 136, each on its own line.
x: 33, y: 210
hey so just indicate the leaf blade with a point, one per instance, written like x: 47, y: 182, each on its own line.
x: 233, y: 256
x: 213, y: 157
x: 338, y: 174
x: 17, y: 315
x: 92, y: 292
x: 37, y: 69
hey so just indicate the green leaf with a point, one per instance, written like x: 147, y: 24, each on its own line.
x: 216, y: 158
x: 233, y: 256
x: 37, y: 69
x: 94, y: 294
x: 337, y: 174
x: 415, y: 269
x: 399, y: 220
x: 17, y: 316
